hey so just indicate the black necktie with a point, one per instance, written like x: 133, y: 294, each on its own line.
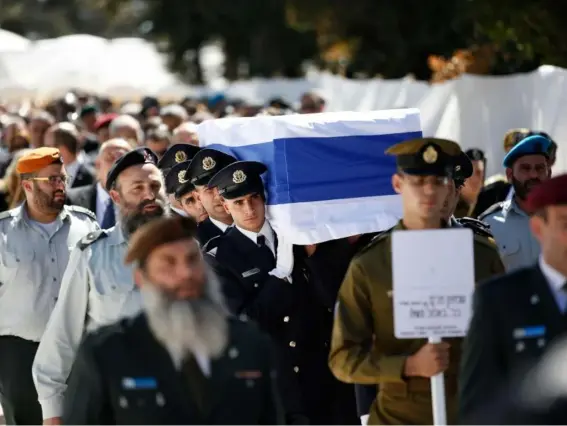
x: 198, y: 383
x: 266, y: 254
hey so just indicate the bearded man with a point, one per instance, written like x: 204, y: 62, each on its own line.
x: 184, y: 360
x: 97, y: 289
x: 527, y: 165
x: 34, y: 251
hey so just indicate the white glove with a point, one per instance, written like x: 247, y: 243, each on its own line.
x: 284, y: 260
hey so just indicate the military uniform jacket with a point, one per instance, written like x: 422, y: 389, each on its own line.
x: 364, y: 349
x: 291, y: 313
x: 122, y: 375
x: 207, y: 230
x: 515, y: 318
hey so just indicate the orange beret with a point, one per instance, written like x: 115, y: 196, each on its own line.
x: 552, y: 192
x: 37, y: 159
x: 157, y: 232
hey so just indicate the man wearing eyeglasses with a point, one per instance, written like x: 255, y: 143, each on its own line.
x: 35, y: 241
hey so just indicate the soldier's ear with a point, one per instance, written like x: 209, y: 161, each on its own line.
x: 509, y: 174
x: 115, y: 196
x: 397, y: 183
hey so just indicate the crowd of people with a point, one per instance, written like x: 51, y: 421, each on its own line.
x: 140, y: 280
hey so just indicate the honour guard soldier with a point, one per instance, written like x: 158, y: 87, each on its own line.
x: 34, y: 250
x: 516, y: 315
x: 97, y: 288
x: 268, y: 281
x: 526, y: 166
x: 176, y: 154
x: 184, y: 360
x: 364, y: 349
x: 178, y: 185
x: 203, y: 167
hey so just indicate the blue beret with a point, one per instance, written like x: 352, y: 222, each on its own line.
x: 529, y: 146
x: 132, y: 158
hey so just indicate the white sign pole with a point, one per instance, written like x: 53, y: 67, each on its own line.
x: 438, y: 394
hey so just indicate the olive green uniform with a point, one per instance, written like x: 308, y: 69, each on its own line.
x: 364, y: 349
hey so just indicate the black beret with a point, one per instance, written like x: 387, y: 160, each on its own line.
x: 426, y: 156
x: 132, y: 158
x: 475, y: 154
x: 238, y: 179
x: 176, y: 154
x: 176, y: 176
x: 207, y: 163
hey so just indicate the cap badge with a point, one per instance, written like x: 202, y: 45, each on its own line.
x: 181, y: 176
x: 148, y: 157
x: 180, y: 157
x: 430, y: 155
x: 208, y: 163
x: 457, y: 168
x: 238, y: 176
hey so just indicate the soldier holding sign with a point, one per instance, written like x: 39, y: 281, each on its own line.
x: 364, y: 349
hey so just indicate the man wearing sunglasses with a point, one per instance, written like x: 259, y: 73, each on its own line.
x: 35, y: 241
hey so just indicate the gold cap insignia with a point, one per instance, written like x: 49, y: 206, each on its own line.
x: 457, y: 168
x: 430, y: 155
x: 181, y: 176
x: 180, y: 157
x: 148, y: 157
x: 238, y: 176
x: 208, y: 163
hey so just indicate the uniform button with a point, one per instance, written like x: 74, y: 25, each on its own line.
x: 292, y: 344
x: 329, y: 310
x: 52, y: 259
x: 54, y: 279
x: 255, y: 285
x: 55, y: 299
x: 285, y: 319
x: 113, y: 287
x: 17, y: 260
x: 296, y: 369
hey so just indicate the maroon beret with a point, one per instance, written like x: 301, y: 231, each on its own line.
x: 552, y: 192
x: 104, y: 120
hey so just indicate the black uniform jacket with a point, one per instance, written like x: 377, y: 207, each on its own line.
x: 298, y: 315
x: 83, y: 196
x: 515, y: 317
x: 207, y: 230
x: 122, y: 375
x: 84, y: 176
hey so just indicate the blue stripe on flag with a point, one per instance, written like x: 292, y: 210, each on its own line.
x: 321, y: 169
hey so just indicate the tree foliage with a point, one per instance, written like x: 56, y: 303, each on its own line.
x: 264, y: 38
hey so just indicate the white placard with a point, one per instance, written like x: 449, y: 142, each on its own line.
x: 433, y: 282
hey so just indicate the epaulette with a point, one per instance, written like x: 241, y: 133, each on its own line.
x: 494, y: 179
x: 83, y: 210
x: 492, y: 209
x: 377, y: 238
x: 90, y: 238
x: 477, y: 226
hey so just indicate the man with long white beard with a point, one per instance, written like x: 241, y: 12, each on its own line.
x: 97, y: 288
x: 184, y: 360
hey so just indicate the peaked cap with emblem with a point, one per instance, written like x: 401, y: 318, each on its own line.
x: 475, y: 154
x: 426, y: 156
x: 178, y: 153
x: 463, y: 168
x: 176, y: 176
x: 239, y: 179
x: 207, y: 163
x: 532, y: 145
x: 132, y: 158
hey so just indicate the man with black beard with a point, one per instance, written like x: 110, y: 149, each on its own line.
x: 34, y: 251
x: 183, y: 360
x: 97, y: 289
x: 527, y: 164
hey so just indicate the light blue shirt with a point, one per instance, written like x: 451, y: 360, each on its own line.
x: 33, y: 258
x: 510, y: 226
x: 556, y: 281
x: 97, y: 289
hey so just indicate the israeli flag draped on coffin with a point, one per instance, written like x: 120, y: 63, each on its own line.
x: 328, y: 176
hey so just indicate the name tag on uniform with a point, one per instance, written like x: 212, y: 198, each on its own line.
x: 139, y: 383
x: 531, y: 332
x: 250, y: 272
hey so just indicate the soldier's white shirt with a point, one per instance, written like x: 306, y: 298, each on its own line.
x: 510, y: 226
x: 97, y: 289
x: 33, y: 257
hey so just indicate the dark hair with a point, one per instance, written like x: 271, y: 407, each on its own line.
x: 67, y: 139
